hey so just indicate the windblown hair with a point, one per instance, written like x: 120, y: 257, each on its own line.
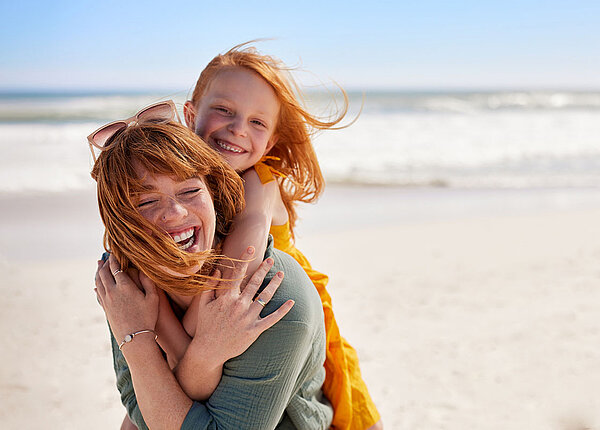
x: 293, y: 154
x: 164, y: 149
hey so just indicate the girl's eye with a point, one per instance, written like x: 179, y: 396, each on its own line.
x: 258, y: 122
x: 222, y: 110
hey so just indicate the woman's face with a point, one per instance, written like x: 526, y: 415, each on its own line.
x: 183, y: 209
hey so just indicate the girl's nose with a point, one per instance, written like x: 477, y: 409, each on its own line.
x: 173, y: 211
x: 237, y: 127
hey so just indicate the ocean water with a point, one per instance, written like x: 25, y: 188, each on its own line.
x: 509, y: 139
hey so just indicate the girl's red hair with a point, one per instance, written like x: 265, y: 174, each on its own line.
x: 293, y: 154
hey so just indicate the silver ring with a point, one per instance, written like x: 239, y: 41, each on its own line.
x: 261, y: 302
x: 116, y: 272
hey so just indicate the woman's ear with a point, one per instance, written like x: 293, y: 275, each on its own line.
x: 189, y: 113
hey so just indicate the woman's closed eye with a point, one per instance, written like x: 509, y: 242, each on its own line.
x: 146, y: 203
x: 189, y: 193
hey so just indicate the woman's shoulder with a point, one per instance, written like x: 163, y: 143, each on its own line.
x: 296, y: 285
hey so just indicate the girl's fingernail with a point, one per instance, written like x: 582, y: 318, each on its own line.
x: 280, y: 274
x: 250, y: 250
x: 269, y: 260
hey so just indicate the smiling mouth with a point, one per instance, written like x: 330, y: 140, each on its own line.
x: 185, y: 239
x: 228, y: 146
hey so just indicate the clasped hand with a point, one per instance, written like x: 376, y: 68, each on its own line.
x: 224, y: 319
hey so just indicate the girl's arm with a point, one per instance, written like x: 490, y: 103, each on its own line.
x: 201, y: 371
x: 251, y: 226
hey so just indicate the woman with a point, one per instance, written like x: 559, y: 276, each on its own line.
x: 167, y: 200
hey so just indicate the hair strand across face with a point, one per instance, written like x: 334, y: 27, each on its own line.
x: 163, y: 149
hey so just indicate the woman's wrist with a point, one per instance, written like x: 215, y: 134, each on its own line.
x: 142, y: 346
x: 128, y: 338
x: 204, y: 355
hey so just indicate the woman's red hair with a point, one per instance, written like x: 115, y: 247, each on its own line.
x: 163, y: 149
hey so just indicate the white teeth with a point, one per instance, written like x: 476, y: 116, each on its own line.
x: 228, y: 147
x: 187, y: 245
x: 183, y: 236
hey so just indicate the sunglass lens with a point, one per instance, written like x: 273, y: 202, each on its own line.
x: 106, y: 132
x: 161, y: 113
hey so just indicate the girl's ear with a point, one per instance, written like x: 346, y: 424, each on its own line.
x: 272, y: 141
x: 189, y: 113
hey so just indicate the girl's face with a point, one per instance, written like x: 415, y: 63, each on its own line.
x: 237, y: 116
x: 183, y: 209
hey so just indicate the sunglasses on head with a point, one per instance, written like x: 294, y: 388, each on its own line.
x: 157, y: 113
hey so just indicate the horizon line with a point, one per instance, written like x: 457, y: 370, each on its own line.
x: 56, y: 91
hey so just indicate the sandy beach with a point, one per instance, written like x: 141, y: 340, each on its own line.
x: 470, y: 309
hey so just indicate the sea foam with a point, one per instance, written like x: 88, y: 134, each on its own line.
x: 513, y: 139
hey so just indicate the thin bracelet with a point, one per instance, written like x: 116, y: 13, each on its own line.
x: 129, y: 337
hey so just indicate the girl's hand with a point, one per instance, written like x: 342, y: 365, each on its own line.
x: 228, y: 317
x: 128, y: 308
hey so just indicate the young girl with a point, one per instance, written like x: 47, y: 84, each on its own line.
x: 246, y: 108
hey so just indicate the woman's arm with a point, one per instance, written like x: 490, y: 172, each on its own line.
x: 252, y: 395
x: 227, y: 325
x: 257, y: 386
x: 251, y: 226
x: 143, y: 376
x: 172, y: 337
x: 162, y: 401
x: 130, y: 309
x: 280, y: 375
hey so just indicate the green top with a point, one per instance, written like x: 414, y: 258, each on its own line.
x: 276, y: 382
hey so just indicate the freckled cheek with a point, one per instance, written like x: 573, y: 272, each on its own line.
x: 261, y: 138
x: 152, y: 216
x: 208, y: 124
x: 200, y: 126
x: 208, y: 221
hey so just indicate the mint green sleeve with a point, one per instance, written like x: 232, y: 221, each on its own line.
x: 276, y: 382
x: 257, y: 386
x: 125, y: 386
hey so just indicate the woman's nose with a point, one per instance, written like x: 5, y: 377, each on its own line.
x: 173, y: 210
x: 237, y: 126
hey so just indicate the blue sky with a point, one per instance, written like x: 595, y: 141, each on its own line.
x: 387, y: 44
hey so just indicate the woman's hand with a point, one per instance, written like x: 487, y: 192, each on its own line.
x: 228, y: 321
x: 129, y: 307
x: 229, y: 318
